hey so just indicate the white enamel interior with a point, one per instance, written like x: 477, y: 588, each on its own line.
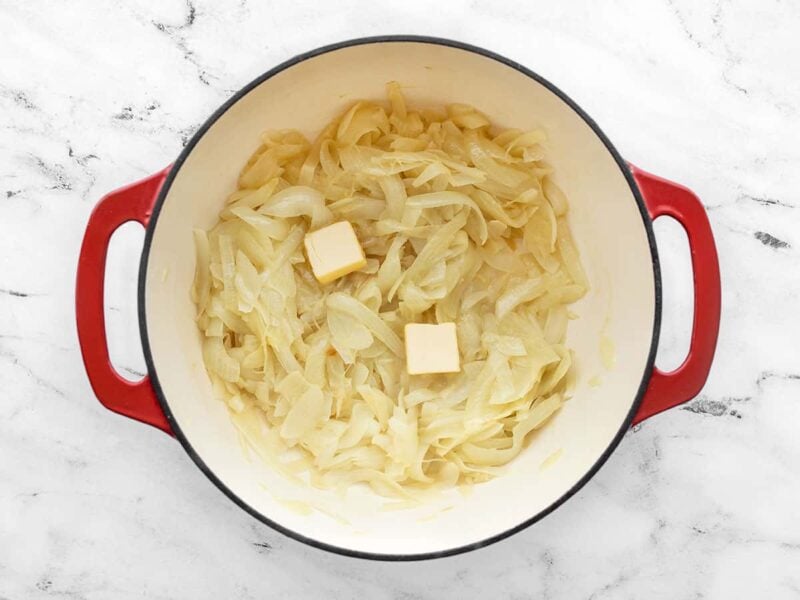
x: 606, y: 223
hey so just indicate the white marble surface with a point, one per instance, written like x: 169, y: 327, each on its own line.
x: 700, y: 502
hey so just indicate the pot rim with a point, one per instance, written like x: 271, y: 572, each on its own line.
x: 142, y: 307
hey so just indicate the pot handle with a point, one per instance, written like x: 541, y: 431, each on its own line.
x: 667, y: 390
x: 130, y: 203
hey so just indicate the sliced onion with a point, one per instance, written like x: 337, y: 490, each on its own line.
x: 458, y: 224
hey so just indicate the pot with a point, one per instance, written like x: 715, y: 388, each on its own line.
x: 612, y: 208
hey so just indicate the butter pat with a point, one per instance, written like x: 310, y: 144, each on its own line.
x: 431, y: 348
x: 334, y: 251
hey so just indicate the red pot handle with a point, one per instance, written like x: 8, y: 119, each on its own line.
x: 666, y: 390
x: 131, y: 203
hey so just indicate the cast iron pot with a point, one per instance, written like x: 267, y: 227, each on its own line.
x: 612, y: 208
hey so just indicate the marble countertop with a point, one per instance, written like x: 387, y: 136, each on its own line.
x: 699, y: 502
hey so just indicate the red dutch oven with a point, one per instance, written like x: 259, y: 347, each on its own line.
x: 612, y: 208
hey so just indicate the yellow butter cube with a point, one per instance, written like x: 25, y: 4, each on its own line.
x: 431, y: 348
x: 334, y: 251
